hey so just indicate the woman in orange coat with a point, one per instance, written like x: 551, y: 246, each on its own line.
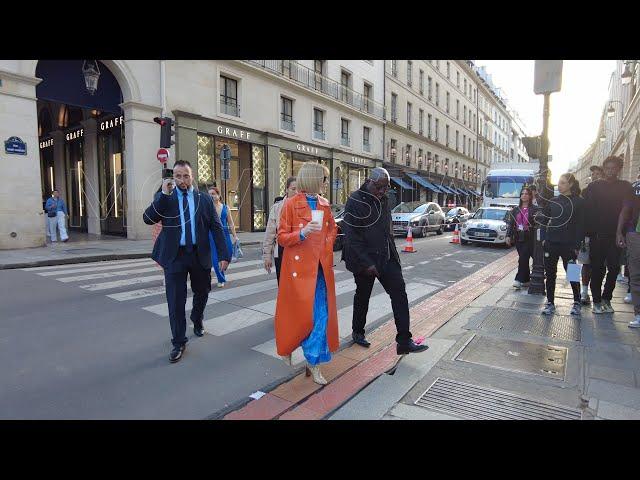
x: 306, y: 313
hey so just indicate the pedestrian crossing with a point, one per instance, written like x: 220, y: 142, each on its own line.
x: 229, y: 310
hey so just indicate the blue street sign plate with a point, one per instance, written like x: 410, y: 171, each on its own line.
x: 15, y: 145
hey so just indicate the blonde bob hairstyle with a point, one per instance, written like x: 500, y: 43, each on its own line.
x: 310, y: 178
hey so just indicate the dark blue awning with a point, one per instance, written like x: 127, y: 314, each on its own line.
x: 424, y: 182
x: 401, y: 183
x: 446, y: 190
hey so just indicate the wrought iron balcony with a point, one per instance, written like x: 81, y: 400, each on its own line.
x: 229, y: 107
x: 345, y: 140
x: 315, y: 81
x: 319, y: 134
x: 366, y: 146
x: 287, y: 124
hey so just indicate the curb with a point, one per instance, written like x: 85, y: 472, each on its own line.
x: 87, y: 259
x: 310, y: 402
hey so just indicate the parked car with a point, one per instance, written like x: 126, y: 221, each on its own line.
x: 455, y: 216
x: 339, y: 241
x: 423, y: 217
x: 487, y: 225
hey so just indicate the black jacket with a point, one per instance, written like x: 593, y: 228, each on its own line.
x: 563, y: 221
x: 368, y: 232
x: 165, y: 209
x: 512, y: 229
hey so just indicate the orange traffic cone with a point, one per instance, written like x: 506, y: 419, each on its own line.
x: 409, y: 248
x: 456, y: 235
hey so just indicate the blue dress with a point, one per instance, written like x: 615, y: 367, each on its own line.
x: 315, y: 346
x: 214, y: 253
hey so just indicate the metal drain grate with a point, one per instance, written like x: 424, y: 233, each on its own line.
x: 481, y: 403
x: 564, y: 327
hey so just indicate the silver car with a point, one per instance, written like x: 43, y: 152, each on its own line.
x: 423, y: 218
x: 487, y: 225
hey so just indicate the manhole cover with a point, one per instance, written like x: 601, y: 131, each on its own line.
x: 481, y: 403
x: 523, y: 357
x: 564, y: 327
x: 87, y: 250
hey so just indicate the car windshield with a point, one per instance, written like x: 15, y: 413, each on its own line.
x: 453, y: 212
x: 506, y: 187
x: 490, y: 214
x: 409, y: 207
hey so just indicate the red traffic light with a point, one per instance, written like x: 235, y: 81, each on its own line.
x: 160, y: 120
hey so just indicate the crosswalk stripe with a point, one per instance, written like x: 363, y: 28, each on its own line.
x: 94, y: 287
x: 93, y: 269
x: 67, y: 265
x: 379, y: 306
x: 222, y: 325
x: 119, y: 273
x: 424, y: 262
x: 135, y: 294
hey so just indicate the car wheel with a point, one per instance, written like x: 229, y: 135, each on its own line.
x: 464, y: 242
x: 423, y: 231
x: 440, y: 231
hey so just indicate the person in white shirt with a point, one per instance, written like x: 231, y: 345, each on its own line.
x: 270, y: 254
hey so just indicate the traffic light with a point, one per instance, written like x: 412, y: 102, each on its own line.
x: 166, y: 131
x: 225, y: 156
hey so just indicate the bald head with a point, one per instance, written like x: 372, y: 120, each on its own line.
x: 378, y: 182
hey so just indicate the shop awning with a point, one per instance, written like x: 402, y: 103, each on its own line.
x: 460, y: 191
x: 424, y: 182
x: 401, y: 183
x: 446, y: 190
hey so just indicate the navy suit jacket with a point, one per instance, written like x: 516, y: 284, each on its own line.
x: 165, y: 209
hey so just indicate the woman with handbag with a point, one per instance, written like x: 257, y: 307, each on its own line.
x: 520, y: 228
x: 306, y: 313
x: 229, y: 233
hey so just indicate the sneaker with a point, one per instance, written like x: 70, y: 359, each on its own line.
x: 585, y: 299
x: 598, y: 308
x: 606, y: 305
x: 517, y: 284
x: 549, y: 309
x: 635, y: 323
x: 627, y: 298
x: 576, y: 309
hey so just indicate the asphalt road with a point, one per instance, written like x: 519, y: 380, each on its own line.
x: 91, y: 341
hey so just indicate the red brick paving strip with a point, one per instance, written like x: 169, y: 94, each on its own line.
x: 432, y: 314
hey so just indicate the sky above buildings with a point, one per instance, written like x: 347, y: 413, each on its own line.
x: 574, y: 111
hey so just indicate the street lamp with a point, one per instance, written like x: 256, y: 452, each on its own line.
x: 603, y: 136
x: 91, y: 73
x: 627, y: 75
x: 612, y: 111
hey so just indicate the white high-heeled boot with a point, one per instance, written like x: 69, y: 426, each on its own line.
x: 317, y: 375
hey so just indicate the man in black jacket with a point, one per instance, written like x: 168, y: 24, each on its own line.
x: 183, y: 247
x: 369, y: 253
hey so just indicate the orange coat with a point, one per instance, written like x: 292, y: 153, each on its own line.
x: 299, y: 272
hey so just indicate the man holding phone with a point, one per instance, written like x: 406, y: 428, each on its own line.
x: 183, y: 248
x: 370, y: 252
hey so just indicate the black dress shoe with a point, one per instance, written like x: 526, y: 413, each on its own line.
x: 176, y: 353
x: 411, y: 347
x: 198, y: 329
x: 360, y: 340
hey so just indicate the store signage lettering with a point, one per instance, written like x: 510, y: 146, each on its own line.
x: 114, y: 122
x: 306, y: 149
x: 75, y: 134
x: 232, y: 132
x: 361, y: 161
x: 46, y: 143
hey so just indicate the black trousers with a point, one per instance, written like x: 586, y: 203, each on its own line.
x: 551, y: 255
x: 525, y: 252
x: 393, y: 283
x: 278, y: 262
x: 603, y: 251
x: 176, y: 290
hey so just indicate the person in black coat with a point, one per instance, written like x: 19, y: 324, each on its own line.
x: 520, y: 232
x: 369, y: 252
x: 183, y: 247
x: 563, y: 233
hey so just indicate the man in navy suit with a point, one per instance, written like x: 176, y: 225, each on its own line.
x: 183, y: 247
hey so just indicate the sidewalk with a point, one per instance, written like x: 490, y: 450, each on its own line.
x: 492, y: 355
x: 499, y: 358
x: 82, y: 248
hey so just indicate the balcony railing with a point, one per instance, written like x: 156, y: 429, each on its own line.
x: 229, y: 107
x: 319, y: 134
x: 287, y: 124
x: 366, y: 146
x: 409, y: 126
x: 344, y: 140
x: 313, y: 80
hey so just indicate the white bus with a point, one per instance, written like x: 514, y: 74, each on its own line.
x: 503, y: 185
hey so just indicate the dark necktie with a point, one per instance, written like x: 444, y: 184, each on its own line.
x: 187, y: 222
